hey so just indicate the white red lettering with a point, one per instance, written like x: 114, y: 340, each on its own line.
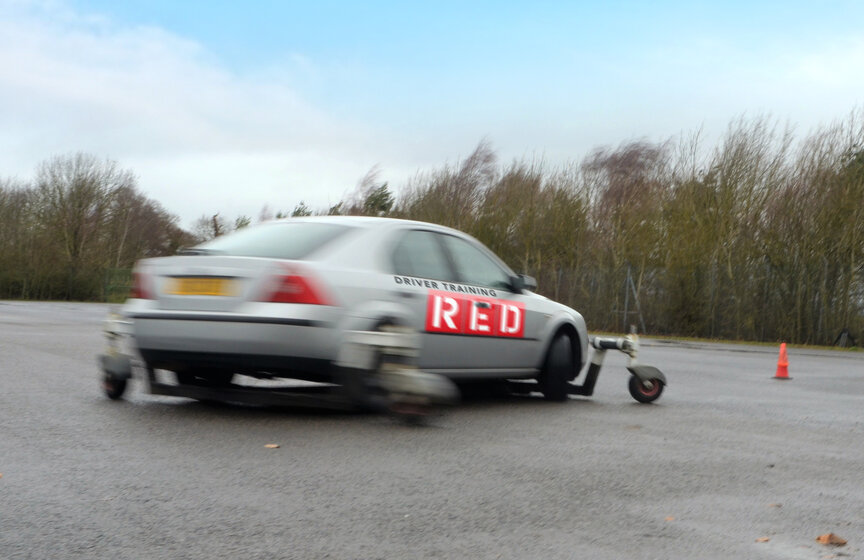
x: 447, y: 315
x: 443, y: 313
x: 480, y: 322
x: 447, y: 312
x: 512, y: 320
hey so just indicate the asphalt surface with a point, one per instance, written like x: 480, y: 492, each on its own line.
x: 729, y: 463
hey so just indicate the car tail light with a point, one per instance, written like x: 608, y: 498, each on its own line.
x: 141, y: 286
x: 294, y: 287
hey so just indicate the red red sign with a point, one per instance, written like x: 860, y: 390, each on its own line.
x: 447, y: 312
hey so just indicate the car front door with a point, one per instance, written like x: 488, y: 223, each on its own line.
x: 462, y: 303
x: 504, y: 325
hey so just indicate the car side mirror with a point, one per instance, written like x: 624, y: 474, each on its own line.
x: 523, y: 282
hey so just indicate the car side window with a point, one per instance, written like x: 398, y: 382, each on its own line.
x: 473, y: 266
x: 418, y: 253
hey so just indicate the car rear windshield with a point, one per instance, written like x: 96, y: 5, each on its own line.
x: 276, y: 240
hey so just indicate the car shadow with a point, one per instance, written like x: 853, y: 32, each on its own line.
x: 472, y: 395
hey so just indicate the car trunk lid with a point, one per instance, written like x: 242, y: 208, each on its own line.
x: 219, y: 283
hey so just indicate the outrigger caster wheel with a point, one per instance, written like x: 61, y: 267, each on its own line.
x: 645, y: 391
x: 113, y: 387
x: 646, y: 382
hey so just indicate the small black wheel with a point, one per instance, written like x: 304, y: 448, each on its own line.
x: 645, y: 391
x: 113, y: 387
x: 554, y: 380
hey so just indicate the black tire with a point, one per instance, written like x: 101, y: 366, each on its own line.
x: 645, y: 393
x: 554, y: 380
x: 114, y: 388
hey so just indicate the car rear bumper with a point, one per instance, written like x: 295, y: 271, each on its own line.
x: 176, y: 340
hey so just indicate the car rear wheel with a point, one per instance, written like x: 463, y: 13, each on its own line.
x: 554, y: 380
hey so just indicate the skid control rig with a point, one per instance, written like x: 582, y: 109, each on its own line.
x: 376, y: 369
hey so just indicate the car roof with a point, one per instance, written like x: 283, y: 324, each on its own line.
x: 367, y: 222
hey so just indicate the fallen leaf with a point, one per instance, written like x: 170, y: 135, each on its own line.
x: 830, y: 539
x: 272, y: 446
x: 775, y: 505
x: 670, y: 518
x: 763, y: 539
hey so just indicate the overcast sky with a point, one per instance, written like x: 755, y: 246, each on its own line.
x: 229, y: 106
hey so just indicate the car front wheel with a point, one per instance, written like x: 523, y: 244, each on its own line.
x: 554, y: 380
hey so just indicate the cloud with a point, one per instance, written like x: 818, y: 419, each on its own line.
x: 193, y: 131
x: 206, y: 138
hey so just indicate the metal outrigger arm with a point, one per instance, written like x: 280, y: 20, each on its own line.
x: 647, y: 382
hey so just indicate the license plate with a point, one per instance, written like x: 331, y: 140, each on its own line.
x: 198, y: 286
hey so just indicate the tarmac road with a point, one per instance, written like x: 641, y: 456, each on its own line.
x: 727, y: 457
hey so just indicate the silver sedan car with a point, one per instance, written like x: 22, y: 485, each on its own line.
x: 277, y: 300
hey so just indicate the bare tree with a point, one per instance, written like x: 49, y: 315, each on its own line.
x: 452, y: 196
x: 73, y: 197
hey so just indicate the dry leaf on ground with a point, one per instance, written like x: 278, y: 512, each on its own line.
x: 763, y: 539
x: 830, y: 539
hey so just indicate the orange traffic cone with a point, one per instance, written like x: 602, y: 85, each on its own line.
x: 782, y: 364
